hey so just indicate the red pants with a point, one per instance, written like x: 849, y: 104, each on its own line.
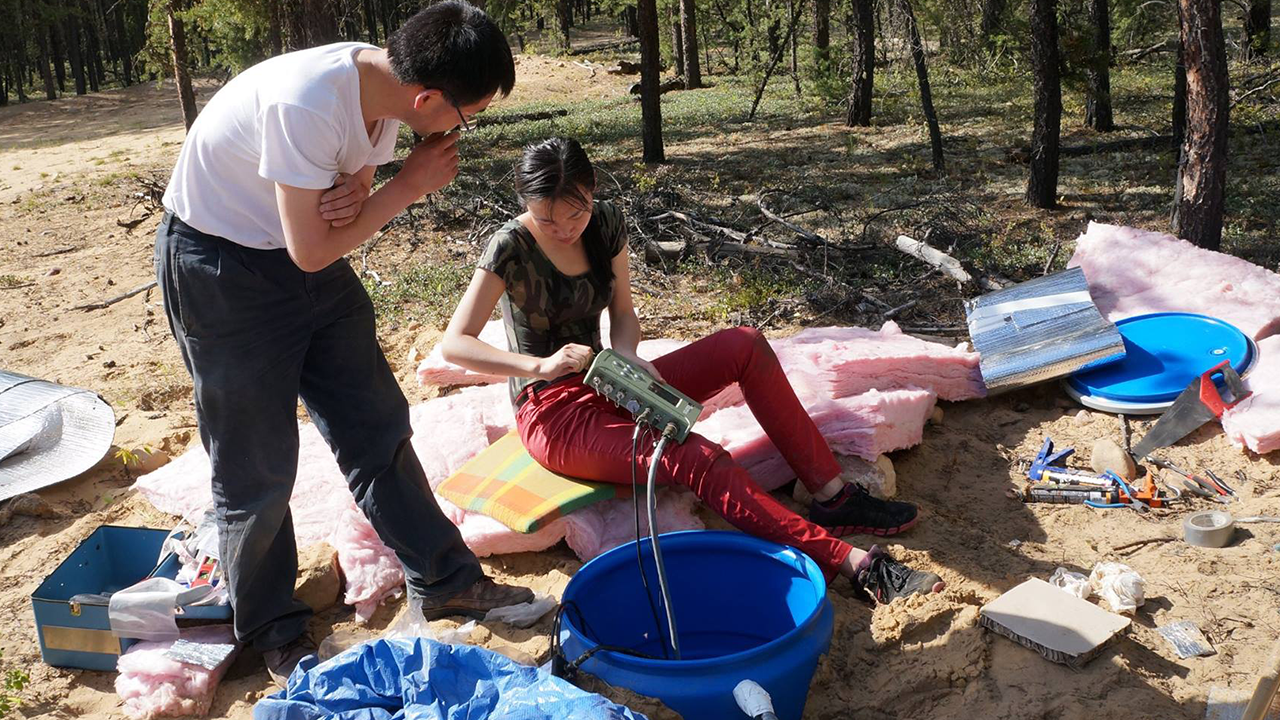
x: 570, y: 429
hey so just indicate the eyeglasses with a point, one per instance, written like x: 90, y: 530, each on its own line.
x: 466, y: 126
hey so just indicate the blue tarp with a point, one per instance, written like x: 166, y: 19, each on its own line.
x: 421, y: 679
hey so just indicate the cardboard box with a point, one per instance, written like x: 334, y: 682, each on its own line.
x: 78, y: 635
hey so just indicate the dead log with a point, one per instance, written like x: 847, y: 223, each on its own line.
x: 936, y: 258
x: 666, y: 86
x: 523, y: 117
x: 603, y: 45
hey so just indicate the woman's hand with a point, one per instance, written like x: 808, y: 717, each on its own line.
x: 567, y: 360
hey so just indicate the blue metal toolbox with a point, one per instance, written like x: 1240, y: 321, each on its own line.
x: 78, y: 635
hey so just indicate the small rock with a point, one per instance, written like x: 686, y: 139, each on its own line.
x: 1108, y: 455
x: 414, y: 355
x: 318, y: 582
x: 1022, y: 407
x: 879, y: 477
x: 935, y: 417
x: 151, y: 461
x: 1082, y: 417
x: 28, y: 504
x: 53, y: 271
x: 109, y: 364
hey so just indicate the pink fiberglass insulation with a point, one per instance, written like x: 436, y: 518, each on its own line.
x: 450, y: 430
x: 1255, y: 422
x: 845, y: 361
x: 1134, y: 272
x: 153, y: 686
x: 866, y: 425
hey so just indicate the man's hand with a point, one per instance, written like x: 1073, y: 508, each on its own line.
x: 432, y: 164
x: 341, y: 204
x: 644, y: 364
x: 569, y: 359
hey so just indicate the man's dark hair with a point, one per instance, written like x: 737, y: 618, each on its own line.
x: 455, y: 47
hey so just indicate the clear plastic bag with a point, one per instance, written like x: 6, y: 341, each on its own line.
x: 1071, y: 582
x: 1120, y: 585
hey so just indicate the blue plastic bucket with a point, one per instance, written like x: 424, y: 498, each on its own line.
x: 746, y: 609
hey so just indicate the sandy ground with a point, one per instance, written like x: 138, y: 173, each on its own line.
x: 920, y: 658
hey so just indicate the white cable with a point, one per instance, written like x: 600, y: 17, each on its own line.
x: 657, y: 552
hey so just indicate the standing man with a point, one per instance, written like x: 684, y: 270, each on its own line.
x: 270, y: 192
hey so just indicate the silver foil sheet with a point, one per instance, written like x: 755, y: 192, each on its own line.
x: 1040, y: 330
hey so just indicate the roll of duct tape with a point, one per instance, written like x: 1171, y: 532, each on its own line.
x: 1211, y: 529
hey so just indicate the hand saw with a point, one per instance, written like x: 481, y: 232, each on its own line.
x: 1199, y: 403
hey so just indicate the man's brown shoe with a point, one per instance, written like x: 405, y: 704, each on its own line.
x: 476, y: 600
x: 281, y: 661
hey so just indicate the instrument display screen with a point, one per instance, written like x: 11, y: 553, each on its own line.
x: 661, y: 392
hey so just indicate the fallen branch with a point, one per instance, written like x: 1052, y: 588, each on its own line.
x: 112, y: 301
x: 15, y: 287
x: 702, y: 224
x: 934, y: 257
x: 1255, y: 91
x: 666, y: 86
x: 807, y: 235
x: 59, y: 251
x: 1169, y: 45
x: 1143, y: 542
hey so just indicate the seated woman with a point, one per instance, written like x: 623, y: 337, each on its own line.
x: 554, y: 269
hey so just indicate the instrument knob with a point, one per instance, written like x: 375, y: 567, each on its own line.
x: 633, y: 407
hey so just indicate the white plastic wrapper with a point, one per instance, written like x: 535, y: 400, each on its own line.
x: 1071, y: 582
x: 1119, y: 585
x: 524, y: 615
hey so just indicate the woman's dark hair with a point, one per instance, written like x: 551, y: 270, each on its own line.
x: 455, y: 47
x: 559, y: 169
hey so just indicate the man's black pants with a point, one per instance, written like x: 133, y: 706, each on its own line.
x: 257, y: 333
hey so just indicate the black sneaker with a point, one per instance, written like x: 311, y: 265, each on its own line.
x: 884, y: 579
x: 282, y: 660
x: 854, y: 511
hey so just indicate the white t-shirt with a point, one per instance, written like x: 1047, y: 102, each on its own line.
x: 295, y: 120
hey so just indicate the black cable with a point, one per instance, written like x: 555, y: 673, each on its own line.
x: 635, y: 505
x: 567, y: 670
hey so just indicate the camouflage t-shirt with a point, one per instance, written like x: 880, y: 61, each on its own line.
x: 543, y: 309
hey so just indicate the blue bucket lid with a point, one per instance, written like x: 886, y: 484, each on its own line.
x: 1164, y: 352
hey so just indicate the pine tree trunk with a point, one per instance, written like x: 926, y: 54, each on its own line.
x: 822, y: 30
x: 1097, y: 108
x: 650, y: 99
x: 1257, y: 27
x: 370, y: 22
x: 632, y: 16
x: 46, y: 74
x: 1180, y: 92
x: 926, y: 95
x: 992, y: 16
x: 275, y: 27
x: 181, y: 76
x: 57, y: 50
x: 689, y: 28
x: 121, y: 45
x: 562, y: 18
x: 862, y: 42
x: 93, y: 44
x: 1202, y: 186
x: 677, y: 39
x: 75, y: 55
x: 1042, y: 186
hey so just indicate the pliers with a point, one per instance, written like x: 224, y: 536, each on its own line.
x: 1133, y: 502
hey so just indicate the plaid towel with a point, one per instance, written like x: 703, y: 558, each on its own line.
x: 506, y: 484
